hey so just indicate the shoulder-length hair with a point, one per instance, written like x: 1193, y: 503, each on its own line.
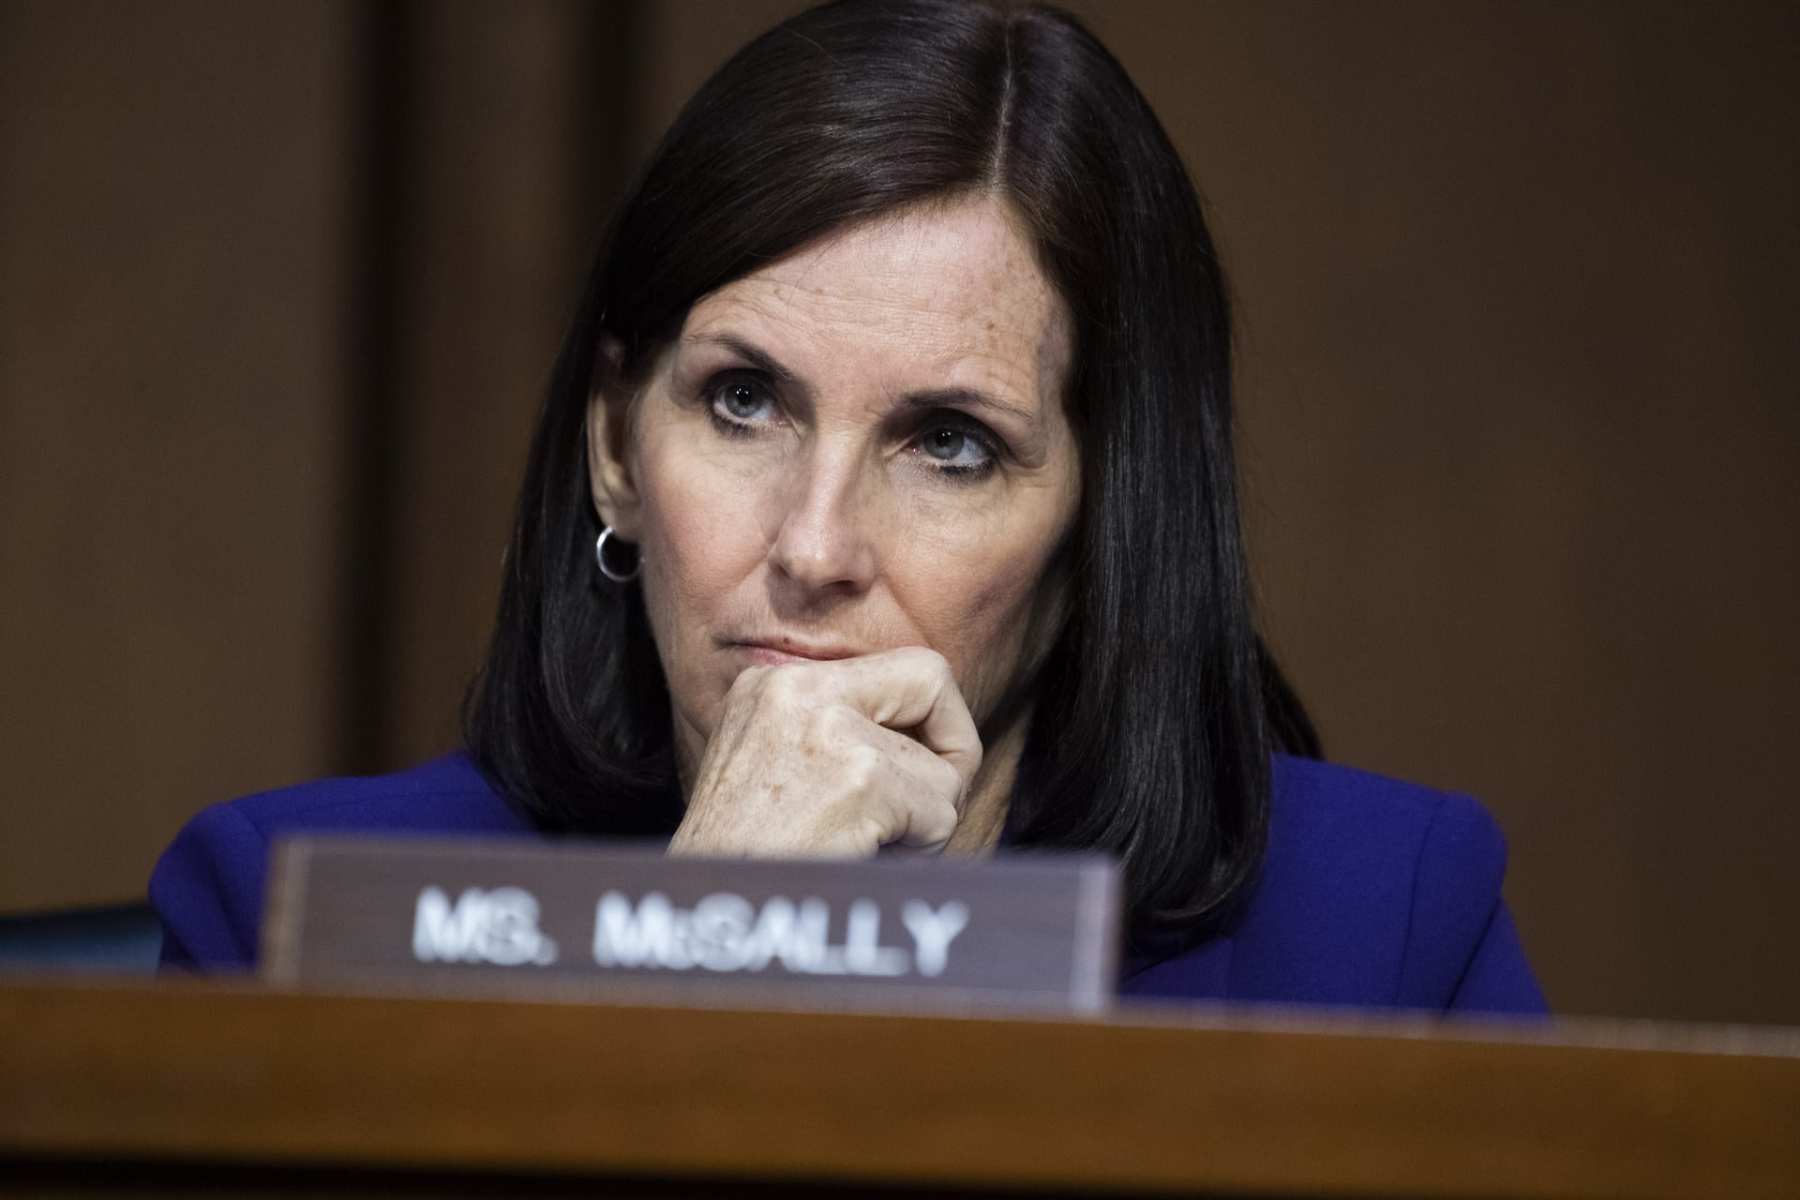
x: 1157, y: 710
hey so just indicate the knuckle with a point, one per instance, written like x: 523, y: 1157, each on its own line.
x: 932, y: 820
x: 947, y: 781
x: 861, y: 765
x: 838, y: 724
x: 871, y: 832
x: 786, y: 683
x: 930, y: 661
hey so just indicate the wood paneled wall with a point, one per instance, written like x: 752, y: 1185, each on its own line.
x: 282, y: 284
x: 174, y: 333
x: 1517, y: 317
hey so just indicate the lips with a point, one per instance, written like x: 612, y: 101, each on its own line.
x: 786, y: 649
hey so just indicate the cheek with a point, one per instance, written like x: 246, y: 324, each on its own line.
x: 690, y: 537
x: 699, y: 501
x: 695, y: 511
x: 984, y: 603
x: 699, y: 546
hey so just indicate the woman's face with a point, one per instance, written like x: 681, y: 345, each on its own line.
x: 861, y: 446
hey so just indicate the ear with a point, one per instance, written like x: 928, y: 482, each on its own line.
x: 610, y: 477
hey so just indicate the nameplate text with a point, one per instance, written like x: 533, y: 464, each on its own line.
x: 1026, y: 930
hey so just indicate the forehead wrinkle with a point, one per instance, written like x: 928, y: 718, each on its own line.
x: 937, y: 334
x: 924, y: 319
x: 977, y: 314
x: 960, y: 285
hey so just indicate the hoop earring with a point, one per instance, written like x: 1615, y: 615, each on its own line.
x: 637, y: 563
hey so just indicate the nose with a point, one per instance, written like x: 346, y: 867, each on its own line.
x: 824, y: 543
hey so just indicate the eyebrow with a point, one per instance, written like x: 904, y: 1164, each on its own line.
x: 950, y: 397
x: 755, y: 355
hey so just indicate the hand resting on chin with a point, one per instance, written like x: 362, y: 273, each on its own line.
x: 834, y: 758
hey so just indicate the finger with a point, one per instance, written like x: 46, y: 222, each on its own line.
x: 912, y: 689
x: 929, y: 776
x: 921, y: 791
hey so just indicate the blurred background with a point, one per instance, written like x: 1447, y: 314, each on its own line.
x: 280, y: 285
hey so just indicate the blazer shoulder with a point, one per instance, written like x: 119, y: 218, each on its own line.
x: 1326, y: 813
x: 445, y: 795
x: 208, y: 885
x: 1374, y: 891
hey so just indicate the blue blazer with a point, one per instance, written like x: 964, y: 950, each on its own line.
x: 1374, y: 893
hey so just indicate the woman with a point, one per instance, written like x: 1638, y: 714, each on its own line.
x: 885, y: 497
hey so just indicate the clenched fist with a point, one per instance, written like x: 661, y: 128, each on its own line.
x: 834, y: 758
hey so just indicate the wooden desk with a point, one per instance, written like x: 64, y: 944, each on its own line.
x: 202, y: 1085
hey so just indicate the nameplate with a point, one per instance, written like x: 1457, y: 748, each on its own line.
x: 1028, y: 930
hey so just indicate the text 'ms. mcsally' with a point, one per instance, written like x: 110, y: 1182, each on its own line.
x: 1033, y: 930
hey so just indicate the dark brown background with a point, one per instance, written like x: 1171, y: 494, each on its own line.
x: 281, y: 284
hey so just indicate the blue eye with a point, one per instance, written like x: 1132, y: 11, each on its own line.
x: 738, y: 404
x: 958, y: 451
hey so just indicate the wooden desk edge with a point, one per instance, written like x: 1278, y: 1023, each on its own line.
x: 1141, y: 1099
